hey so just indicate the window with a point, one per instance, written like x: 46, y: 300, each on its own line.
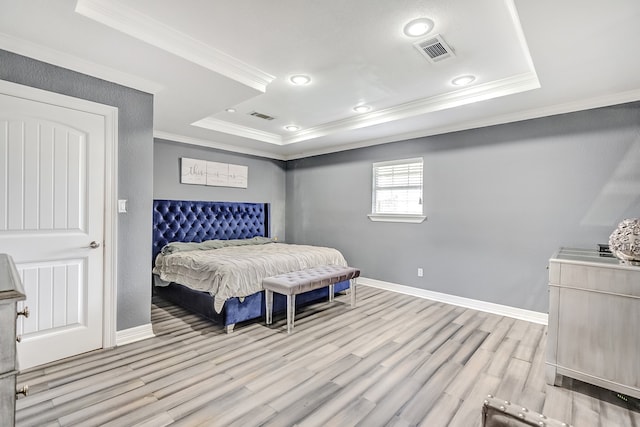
x: 397, y: 191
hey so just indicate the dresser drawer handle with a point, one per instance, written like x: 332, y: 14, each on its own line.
x: 24, y: 312
x: 24, y: 391
x: 19, y: 338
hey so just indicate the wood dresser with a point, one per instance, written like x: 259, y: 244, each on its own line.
x: 11, y: 292
x: 594, y: 316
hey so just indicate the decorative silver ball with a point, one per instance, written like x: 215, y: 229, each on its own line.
x: 624, y: 242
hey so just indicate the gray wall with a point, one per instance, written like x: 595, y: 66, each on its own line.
x: 135, y: 165
x: 266, y: 179
x: 499, y: 201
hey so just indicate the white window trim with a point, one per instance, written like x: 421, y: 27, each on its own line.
x: 391, y: 217
x: 413, y: 219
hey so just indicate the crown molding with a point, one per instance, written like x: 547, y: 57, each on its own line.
x: 565, y: 108
x: 524, y: 47
x: 238, y: 130
x: 129, y: 21
x: 573, y: 106
x: 508, y: 86
x: 216, y: 145
x: 74, y: 63
x: 536, y: 113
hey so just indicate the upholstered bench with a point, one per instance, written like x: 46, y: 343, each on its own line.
x: 502, y: 413
x: 297, y: 282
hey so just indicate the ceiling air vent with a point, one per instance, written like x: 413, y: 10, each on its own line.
x: 261, y: 116
x: 435, y: 49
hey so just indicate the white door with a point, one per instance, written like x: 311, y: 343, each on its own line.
x: 52, y: 184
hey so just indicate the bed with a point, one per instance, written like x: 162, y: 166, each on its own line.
x: 238, y: 225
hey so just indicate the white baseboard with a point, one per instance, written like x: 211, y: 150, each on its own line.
x: 489, y: 307
x: 138, y: 333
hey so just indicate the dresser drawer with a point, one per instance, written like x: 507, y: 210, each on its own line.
x: 600, y: 279
x: 7, y: 399
x: 7, y: 336
x: 594, y: 336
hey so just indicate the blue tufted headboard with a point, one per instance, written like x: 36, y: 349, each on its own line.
x: 193, y: 221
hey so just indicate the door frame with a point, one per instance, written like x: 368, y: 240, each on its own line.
x: 110, y: 114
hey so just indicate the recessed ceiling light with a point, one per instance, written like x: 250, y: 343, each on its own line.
x: 300, y: 79
x: 292, y: 128
x: 418, y: 27
x: 361, y: 108
x: 230, y: 110
x: 463, y: 80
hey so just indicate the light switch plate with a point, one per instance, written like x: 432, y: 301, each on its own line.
x: 122, y: 206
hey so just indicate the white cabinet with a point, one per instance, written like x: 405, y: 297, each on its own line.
x: 594, y: 321
x: 10, y: 293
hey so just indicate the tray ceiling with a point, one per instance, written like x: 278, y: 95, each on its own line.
x: 210, y: 65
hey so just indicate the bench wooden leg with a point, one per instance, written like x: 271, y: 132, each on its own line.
x: 268, y: 305
x: 291, y: 312
x: 352, y: 288
x: 332, y: 292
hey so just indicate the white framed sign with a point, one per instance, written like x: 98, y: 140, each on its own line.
x: 203, y: 172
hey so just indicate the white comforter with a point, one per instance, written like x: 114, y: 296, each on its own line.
x: 238, y: 271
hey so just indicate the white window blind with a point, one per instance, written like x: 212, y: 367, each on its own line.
x: 397, y: 187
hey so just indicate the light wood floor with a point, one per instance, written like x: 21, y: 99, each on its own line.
x: 395, y: 360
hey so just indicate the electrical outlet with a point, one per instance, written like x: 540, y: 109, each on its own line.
x: 420, y: 272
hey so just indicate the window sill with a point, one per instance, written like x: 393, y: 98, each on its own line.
x: 414, y: 219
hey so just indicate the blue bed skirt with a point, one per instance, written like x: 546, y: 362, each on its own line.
x: 236, y: 311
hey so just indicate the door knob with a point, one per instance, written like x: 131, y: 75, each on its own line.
x: 94, y: 245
